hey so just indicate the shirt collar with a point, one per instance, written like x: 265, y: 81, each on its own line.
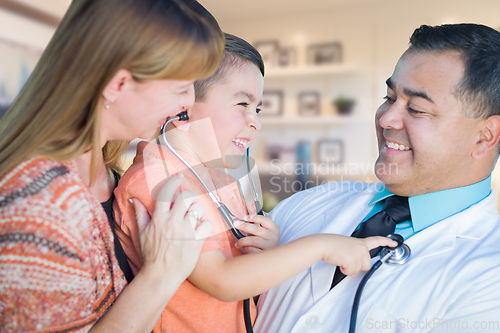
x: 427, y: 209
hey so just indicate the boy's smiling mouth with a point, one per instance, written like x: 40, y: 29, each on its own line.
x: 241, y: 142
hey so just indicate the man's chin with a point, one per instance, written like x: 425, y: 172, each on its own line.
x: 384, y: 167
x: 396, y: 183
x: 386, y: 172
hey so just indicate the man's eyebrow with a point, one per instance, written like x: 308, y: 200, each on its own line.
x: 421, y: 94
x: 410, y: 92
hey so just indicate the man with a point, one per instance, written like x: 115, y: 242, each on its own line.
x: 438, y: 132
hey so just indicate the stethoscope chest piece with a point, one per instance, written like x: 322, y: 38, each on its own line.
x: 400, y: 255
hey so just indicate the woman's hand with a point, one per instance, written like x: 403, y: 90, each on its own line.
x: 263, y: 234
x: 351, y: 254
x: 171, y: 240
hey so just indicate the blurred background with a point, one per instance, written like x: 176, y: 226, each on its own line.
x: 326, y: 66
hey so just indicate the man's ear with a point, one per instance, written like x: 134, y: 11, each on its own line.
x: 488, y: 137
x: 115, y: 86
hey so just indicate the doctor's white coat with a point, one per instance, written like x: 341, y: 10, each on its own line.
x: 450, y: 284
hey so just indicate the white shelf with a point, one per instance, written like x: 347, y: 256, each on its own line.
x: 313, y: 121
x: 301, y: 71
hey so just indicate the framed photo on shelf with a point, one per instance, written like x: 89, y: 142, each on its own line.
x: 282, y: 153
x: 309, y: 103
x: 286, y: 57
x: 274, y: 152
x: 323, y: 54
x: 268, y: 50
x: 272, y: 103
x: 331, y: 151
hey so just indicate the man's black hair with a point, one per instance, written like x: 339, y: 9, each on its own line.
x: 479, y: 47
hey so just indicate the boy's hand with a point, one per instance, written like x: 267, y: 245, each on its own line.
x: 351, y: 254
x: 263, y: 234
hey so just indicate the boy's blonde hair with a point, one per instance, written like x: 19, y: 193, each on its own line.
x: 56, y: 114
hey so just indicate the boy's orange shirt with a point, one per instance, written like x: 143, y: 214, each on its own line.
x: 190, y: 309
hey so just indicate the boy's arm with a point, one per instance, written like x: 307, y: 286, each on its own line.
x: 249, y: 275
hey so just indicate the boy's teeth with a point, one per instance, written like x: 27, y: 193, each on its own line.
x: 397, y: 146
x: 240, y: 142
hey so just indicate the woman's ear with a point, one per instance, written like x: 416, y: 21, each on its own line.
x: 115, y: 86
x: 488, y: 137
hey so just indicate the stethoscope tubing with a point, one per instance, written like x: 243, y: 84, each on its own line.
x: 398, y: 255
x: 210, y: 193
x: 221, y: 208
x: 357, y: 297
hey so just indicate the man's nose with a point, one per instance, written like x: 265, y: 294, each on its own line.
x: 391, y: 116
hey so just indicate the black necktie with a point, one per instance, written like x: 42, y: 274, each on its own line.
x: 396, y: 210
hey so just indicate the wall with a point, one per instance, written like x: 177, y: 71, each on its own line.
x: 374, y: 34
x: 22, y: 31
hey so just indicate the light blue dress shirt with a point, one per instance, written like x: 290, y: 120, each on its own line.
x: 427, y: 209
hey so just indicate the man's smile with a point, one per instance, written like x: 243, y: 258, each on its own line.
x: 396, y: 146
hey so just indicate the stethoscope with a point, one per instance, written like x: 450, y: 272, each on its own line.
x: 223, y: 210
x: 398, y: 255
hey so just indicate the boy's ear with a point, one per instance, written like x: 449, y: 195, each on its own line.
x: 488, y: 137
x: 115, y: 86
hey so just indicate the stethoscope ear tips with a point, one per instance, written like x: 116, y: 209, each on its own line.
x: 183, y: 116
x: 400, y: 254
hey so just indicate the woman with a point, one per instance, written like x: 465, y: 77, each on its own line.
x: 113, y: 71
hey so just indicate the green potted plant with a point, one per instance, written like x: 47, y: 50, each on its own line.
x: 344, y: 105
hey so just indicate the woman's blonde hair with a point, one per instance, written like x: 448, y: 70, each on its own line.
x: 56, y: 115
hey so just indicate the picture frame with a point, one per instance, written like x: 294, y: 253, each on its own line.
x: 331, y: 151
x: 281, y: 153
x: 272, y: 103
x: 309, y: 103
x: 274, y: 152
x: 286, y: 57
x: 324, y: 54
x: 268, y: 50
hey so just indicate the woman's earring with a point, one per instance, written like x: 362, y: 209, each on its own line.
x: 108, y: 105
